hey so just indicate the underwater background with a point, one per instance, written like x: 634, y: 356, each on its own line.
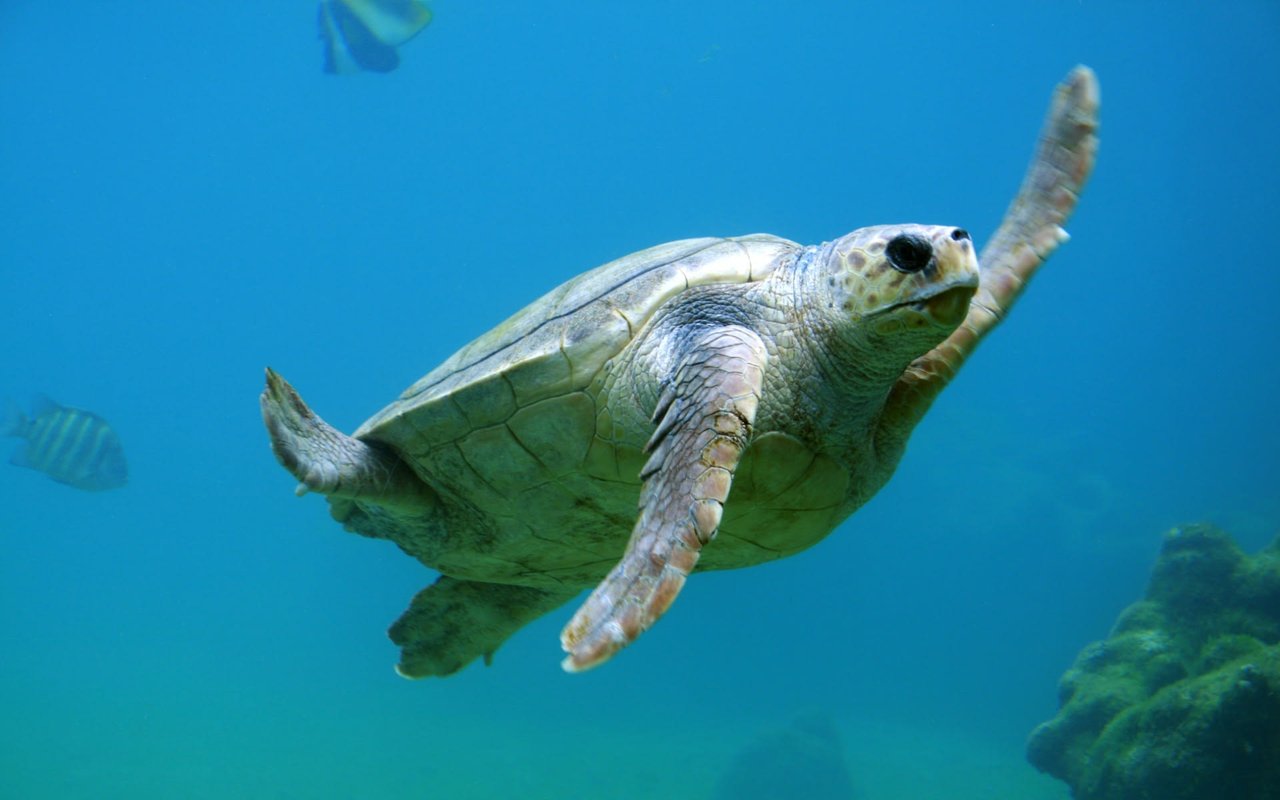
x: 185, y: 199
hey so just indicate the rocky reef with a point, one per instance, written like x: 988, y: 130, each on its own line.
x: 1182, y: 700
x: 803, y: 760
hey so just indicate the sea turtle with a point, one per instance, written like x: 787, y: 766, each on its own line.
x: 794, y: 373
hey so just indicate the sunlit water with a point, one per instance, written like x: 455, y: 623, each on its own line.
x: 185, y: 199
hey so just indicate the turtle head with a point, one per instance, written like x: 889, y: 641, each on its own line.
x: 894, y: 291
x: 896, y: 277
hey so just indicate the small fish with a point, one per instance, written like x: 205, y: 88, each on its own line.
x: 71, y: 446
x: 364, y: 34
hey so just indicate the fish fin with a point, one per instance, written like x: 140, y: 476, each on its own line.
x: 355, y: 44
x: 42, y: 404
x: 337, y: 59
x: 14, y: 422
x: 393, y: 22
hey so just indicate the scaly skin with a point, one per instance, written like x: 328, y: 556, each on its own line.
x: 704, y: 423
x: 329, y: 462
x: 828, y: 334
x: 775, y: 386
x: 1030, y: 232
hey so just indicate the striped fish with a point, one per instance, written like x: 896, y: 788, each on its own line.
x: 71, y: 446
x: 362, y: 35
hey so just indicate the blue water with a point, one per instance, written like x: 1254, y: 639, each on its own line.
x: 185, y: 199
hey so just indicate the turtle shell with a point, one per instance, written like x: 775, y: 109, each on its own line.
x: 553, y: 348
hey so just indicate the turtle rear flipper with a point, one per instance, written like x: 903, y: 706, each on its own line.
x: 327, y: 461
x: 453, y: 622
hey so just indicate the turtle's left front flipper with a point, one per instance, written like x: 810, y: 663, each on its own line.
x: 704, y: 420
x: 1028, y: 235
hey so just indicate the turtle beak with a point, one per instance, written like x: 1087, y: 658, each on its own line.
x: 946, y: 301
x: 948, y: 307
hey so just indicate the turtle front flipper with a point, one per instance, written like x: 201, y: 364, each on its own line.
x: 1032, y: 226
x: 1028, y: 235
x: 327, y: 461
x: 704, y: 421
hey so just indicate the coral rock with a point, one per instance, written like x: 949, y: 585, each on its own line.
x: 1182, y: 701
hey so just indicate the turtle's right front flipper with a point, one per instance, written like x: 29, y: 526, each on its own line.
x: 704, y: 421
x: 327, y: 461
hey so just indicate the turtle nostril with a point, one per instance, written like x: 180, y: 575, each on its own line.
x: 959, y: 235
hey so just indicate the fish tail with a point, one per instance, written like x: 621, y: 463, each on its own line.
x: 12, y: 421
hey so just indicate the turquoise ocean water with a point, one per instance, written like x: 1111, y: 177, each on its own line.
x: 185, y: 199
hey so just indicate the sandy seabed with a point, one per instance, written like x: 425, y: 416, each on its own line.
x: 158, y: 753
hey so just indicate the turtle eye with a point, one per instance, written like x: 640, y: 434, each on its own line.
x: 909, y: 253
